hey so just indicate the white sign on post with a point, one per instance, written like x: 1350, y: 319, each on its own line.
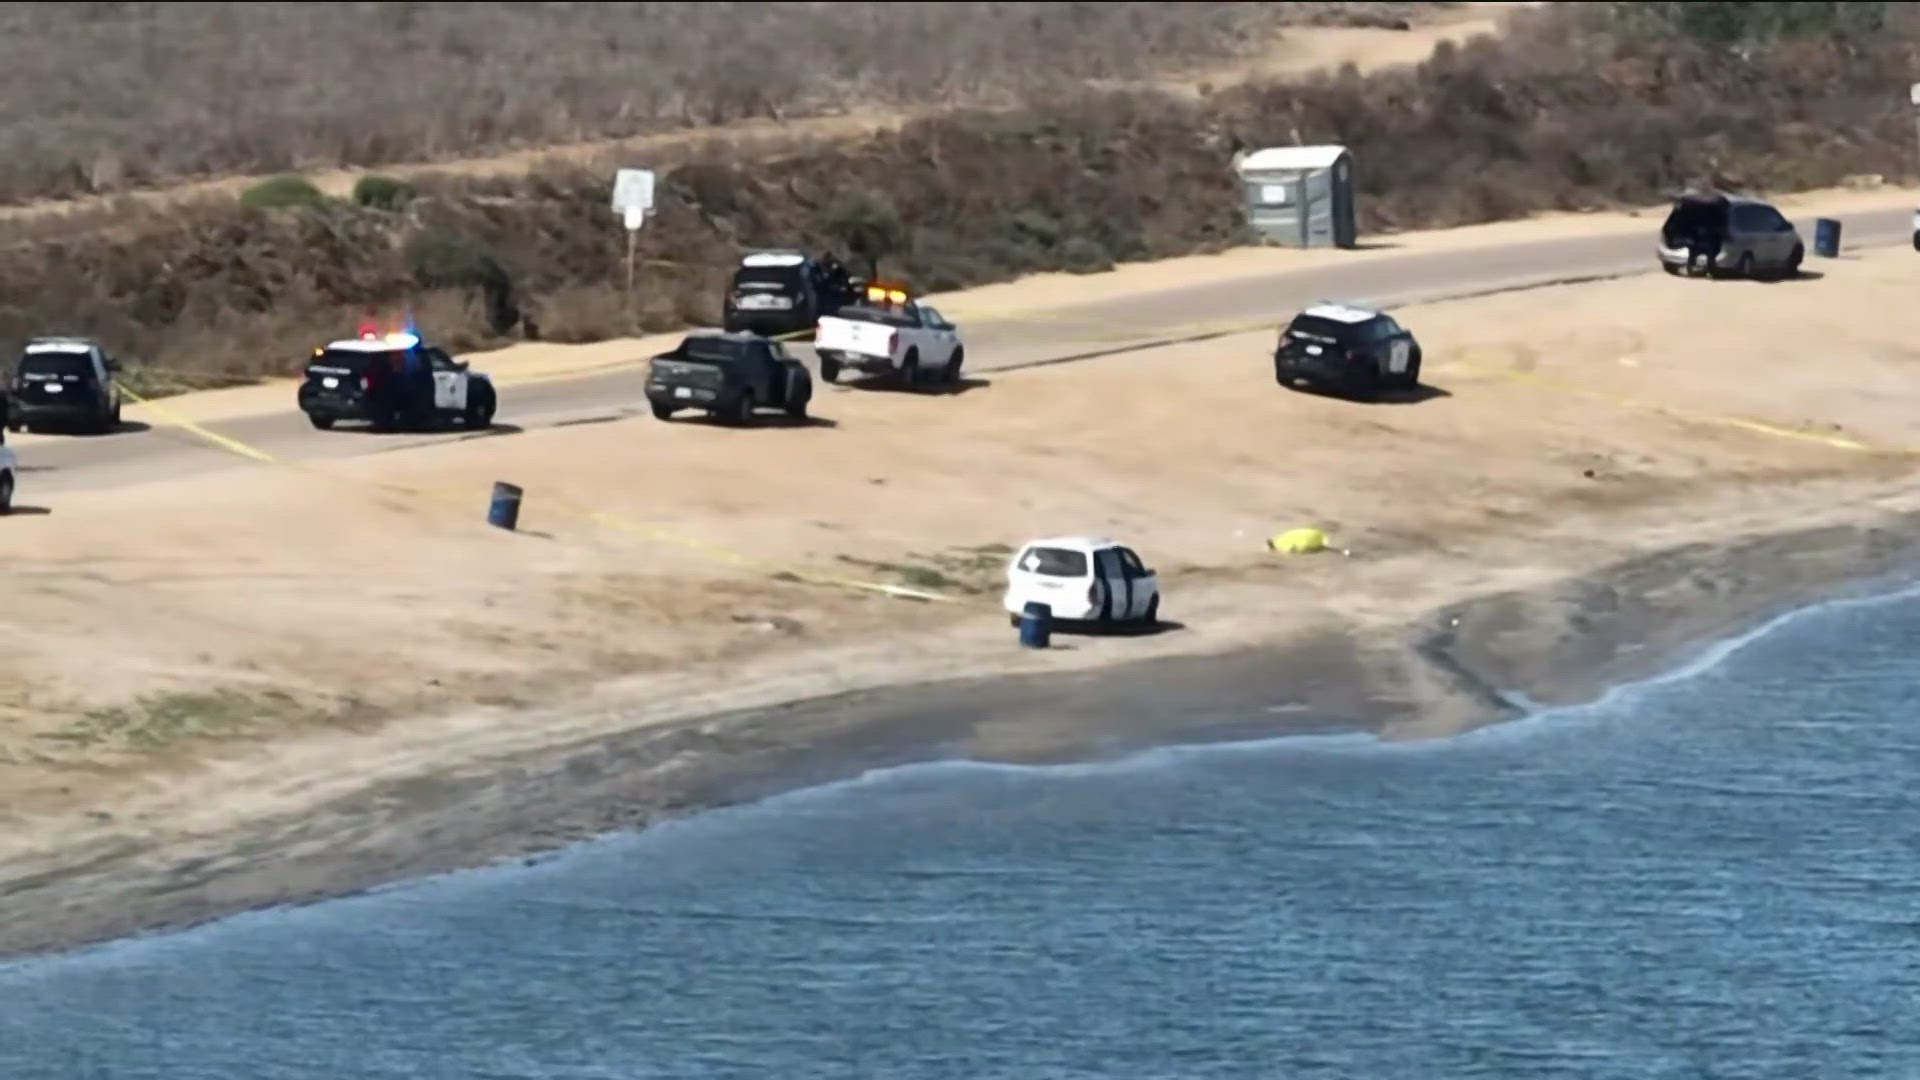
x: 632, y: 198
x: 1913, y: 93
x: 633, y: 188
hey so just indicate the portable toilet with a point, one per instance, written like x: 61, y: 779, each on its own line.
x: 1300, y: 196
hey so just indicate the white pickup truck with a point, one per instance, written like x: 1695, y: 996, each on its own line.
x: 888, y: 334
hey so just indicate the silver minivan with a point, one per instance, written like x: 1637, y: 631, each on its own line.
x: 1720, y: 234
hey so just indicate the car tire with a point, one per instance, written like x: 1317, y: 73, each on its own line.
x: 910, y: 368
x: 1794, y: 260
x: 799, y: 393
x: 1410, y: 378
x: 661, y: 410
x: 1152, y: 618
x: 6, y: 492
x: 741, y: 411
x: 1744, y: 268
x: 324, y: 423
x: 479, y: 412
x: 829, y: 369
x: 1379, y: 382
x: 951, y: 374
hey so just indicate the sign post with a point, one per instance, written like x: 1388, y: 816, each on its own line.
x: 632, y: 198
x: 1913, y: 98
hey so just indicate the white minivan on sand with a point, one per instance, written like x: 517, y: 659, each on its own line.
x: 1083, y: 580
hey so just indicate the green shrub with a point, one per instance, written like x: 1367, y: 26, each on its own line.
x: 441, y: 257
x: 1082, y: 255
x: 869, y: 225
x: 281, y: 192
x: 382, y: 192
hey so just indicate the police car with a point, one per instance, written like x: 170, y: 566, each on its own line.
x: 393, y: 380
x: 1348, y: 347
x: 65, y: 381
x: 784, y: 292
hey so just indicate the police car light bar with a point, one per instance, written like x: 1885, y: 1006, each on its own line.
x: 885, y: 294
x: 402, y: 333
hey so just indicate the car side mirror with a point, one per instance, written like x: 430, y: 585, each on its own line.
x: 113, y: 365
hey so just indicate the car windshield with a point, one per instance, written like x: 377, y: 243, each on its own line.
x: 768, y: 279
x: 1054, y: 562
x: 56, y: 363
x: 1326, y: 329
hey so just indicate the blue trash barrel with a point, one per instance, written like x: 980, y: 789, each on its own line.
x: 504, y: 511
x: 1036, y: 624
x: 1826, y: 238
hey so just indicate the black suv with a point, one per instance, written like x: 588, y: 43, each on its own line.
x: 785, y: 292
x: 728, y: 375
x: 64, y: 382
x: 1347, y: 347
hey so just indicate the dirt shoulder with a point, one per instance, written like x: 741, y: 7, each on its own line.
x: 291, y: 682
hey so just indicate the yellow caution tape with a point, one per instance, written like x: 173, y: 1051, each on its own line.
x: 214, y: 437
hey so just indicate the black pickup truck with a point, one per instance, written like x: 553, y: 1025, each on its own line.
x: 728, y: 375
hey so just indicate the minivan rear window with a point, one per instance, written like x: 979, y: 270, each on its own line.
x: 56, y: 363
x: 1054, y: 562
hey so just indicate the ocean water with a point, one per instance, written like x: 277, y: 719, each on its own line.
x: 1716, y: 875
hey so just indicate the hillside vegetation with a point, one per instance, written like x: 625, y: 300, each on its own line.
x: 107, y: 96
x: 1580, y: 106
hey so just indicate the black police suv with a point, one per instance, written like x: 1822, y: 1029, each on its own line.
x: 1347, y: 348
x: 64, y: 383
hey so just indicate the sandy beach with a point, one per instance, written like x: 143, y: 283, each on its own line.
x: 281, y: 683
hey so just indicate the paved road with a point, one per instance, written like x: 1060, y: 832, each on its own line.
x: 1062, y: 334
